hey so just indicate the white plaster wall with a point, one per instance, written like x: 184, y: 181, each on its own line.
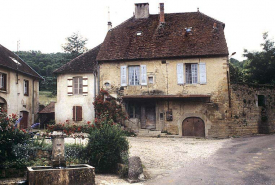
x: 15, y: 98
x: 65, y: 103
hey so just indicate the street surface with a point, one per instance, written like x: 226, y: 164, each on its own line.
x: 241, y: 161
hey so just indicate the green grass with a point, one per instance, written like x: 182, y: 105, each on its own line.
x: 45, y: 97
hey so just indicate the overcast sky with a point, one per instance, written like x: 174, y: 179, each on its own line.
x: 44, y: 24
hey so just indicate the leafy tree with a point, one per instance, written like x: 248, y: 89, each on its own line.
x: 75, y: 45
x: 260, y: 65
x: 45, y: 64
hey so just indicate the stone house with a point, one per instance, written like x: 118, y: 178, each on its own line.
x: 19, y: 87
x: 76, y: 89
x: 171, y: 73
x: 168, y: 69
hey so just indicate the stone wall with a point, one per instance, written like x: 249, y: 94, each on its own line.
x: 246, y: 116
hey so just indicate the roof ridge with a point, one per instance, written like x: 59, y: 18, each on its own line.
x: 10, y: 53
x: 76, y: 58
x: 121, y: 24
x: 212, y: 18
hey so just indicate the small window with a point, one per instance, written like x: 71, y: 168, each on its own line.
x: 163, y: 61
x: 3, y: 82
x: 161, y: 116
x: 77, y: 113
x: 261, y: 100
x: 139, y: 33
x: 78, y: 85
x: 26, y: 87
x: 151, y: 79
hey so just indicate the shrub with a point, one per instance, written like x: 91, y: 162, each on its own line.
x: 10, y: 136
x: 107, y: 146
x: 74, y: 154
x: 108, y: 108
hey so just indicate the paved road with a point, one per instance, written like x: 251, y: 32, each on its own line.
x: 241, y: 161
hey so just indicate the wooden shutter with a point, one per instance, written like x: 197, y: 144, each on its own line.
x: 180, y: 73
x: 202, y: 68
x: 78, y: 113
x: 74, y: 111
x: 85, y: 85
x: 123, y: 75
x: 70, y: 86
x: 143, y: 75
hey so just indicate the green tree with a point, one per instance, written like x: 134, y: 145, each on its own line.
x: 75, y: 44
x: 260, y: 65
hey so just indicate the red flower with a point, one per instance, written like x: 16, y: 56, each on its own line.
x: 88, y: 122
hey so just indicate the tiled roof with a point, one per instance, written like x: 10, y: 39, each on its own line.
x: 81, y: 64
x: 48, y: 109
x: 10, y: 60
x: 164, y: 41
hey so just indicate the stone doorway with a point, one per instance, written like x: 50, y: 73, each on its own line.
x: 193, y: 126
x: 24, y: 120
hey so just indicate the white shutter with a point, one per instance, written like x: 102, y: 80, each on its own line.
x: 180, y: 73
x: 202, y: 68
x: 143, y: 75
x: 70, y: 86
x: 85, y: 85
x: 1, y: 81
x: 123, y: 76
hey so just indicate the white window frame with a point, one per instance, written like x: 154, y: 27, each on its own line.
x: 193, y: 73
x: 26, y: 88
x: 134, y: 72
x: 78, y: 85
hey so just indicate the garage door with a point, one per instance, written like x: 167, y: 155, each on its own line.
x: 193, y: 127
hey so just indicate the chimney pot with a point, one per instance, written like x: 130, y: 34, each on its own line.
x: 161, y: 13
x: 141, y: 10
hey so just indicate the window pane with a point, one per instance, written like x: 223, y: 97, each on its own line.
x: 188, y: 73
x: 194, y: 73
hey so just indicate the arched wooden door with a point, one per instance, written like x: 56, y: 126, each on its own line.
x: 193, y: 127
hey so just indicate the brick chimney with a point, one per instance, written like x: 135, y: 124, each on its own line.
x: 161, y: 13
x: 141, y: 10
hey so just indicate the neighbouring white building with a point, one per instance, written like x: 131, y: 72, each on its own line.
x: 76, y: 89
x: 19, y: 87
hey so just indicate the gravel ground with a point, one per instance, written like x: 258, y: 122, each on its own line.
x: 161, y: 155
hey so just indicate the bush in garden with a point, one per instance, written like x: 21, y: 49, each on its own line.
x: 74, y: 154
x: 10, y: 136
x: 108, y: 108
x: 107, y: 146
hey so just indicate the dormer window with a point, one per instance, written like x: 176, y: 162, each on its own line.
x: 139, y: 33
x: 188, y: 31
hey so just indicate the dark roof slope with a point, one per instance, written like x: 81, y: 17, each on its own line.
x: 48, y: 109
x: 81, y: 64
x: 164, y: 41
x: 12, y: 61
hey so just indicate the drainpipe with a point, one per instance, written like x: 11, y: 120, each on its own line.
x: 33, y: 101
x: 98, y: 77
x: 94, y: 90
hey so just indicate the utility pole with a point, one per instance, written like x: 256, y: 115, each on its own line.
x: 18, y: 45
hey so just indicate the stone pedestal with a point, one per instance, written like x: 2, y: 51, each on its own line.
x: 58, y: 152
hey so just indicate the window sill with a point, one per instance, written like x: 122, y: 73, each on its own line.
x: 3, y: 91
